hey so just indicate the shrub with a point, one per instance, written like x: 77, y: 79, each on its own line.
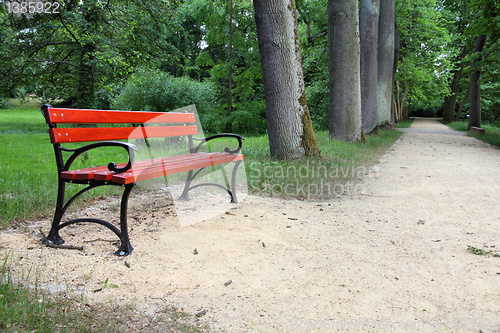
x: 249, y: 118
x: 155, y: 90
x: 317, y: 101
x: 250, y: 121
x: 4, y: 104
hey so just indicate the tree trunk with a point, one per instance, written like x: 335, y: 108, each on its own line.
x: 462, y: 103
x: 475, y: 86
x: 85, y: 93
x: 397, y: 52
x: 289, y: 124
x: 403, y: 102
x: 386, y: 40
x: 344, y: 86
x: 400, y: 101
x: 450, y: 102
x: 230, y: 72
x: 368, y: 26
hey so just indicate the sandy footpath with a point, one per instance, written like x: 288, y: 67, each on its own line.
x: 390, y: 257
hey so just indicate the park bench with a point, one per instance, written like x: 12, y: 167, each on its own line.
x: 105, y: 129
x: 477, y: 130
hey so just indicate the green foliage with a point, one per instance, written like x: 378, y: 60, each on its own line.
x: 426, y: 50
x: 86, y: 54
x: 222, y: 60
x: 467, y: 20
x: 318, y: 103
x: 87, y: 47
x: 251, y: 120
x: 315, y: 59
x: 427, y: 109
x: 490, y: 84
x: 4, y: 103
x: 155, y: 90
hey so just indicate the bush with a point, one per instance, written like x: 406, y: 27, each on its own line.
x: 154, y: 90
x: 250, y: 118
x: 250, y: 121
x: 4, y: 104
x: 318, y: 104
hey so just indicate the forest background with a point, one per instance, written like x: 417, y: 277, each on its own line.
x: 161, y: 55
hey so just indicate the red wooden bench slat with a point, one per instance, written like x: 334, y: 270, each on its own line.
x: 102, y: 173
x: 70, y: 116
x: 65, y: 135
x: 106, y: 175
x: 164, y: 170
x: 87, y: 173
x: 189, y: 161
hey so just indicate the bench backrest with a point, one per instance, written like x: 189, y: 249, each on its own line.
x: 173, y: 124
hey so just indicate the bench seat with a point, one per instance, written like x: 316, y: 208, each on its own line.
x: 154, y: 168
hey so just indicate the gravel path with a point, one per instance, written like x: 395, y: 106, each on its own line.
x: 390, y: 257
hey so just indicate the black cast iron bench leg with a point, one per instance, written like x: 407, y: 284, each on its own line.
x: 125, y: 248
x: 54, y: 239
x: 231, y: 191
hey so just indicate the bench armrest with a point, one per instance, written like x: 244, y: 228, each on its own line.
x: 223, y: 135
x: 130, y: 148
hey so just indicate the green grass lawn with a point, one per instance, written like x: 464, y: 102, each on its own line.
x: 491, y: 136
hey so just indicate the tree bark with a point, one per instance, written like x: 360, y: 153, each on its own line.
x: 462, y: 103
x: 450, y: 102
x: 289, y: 124
x: 400, y: 101
x: 368, y: 26
x: 85, y: 92
x: 475, y: 86
x: 397, y: 52
x: 385, y: 59
x: 230, y: 71
x: 344, y: 86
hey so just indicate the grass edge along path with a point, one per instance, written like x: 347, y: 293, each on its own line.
x: 28, y: 307
x: 338, y: 172
x: 491, y: 135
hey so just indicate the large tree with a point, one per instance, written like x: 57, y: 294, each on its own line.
x: 289, y: 124
x: 450, y: 101
x: 368, y: 25
x: 475, y: 85
x: 345, y: 89
x: 470, y: 22
x: 385, y: 59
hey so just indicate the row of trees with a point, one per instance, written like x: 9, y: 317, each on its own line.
x: 358, y: 69
x: 476, y: 35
